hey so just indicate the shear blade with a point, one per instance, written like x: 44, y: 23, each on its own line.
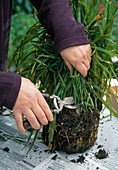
x: 73, y: 106
x: 68, y: 100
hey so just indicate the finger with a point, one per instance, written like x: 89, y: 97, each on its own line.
x: 82, y: 69
x: 40, y: 114
x: 32, y: 119
x: 81, y: 62
x: 86, y: 53
x: 68, y: 64
x: 19, y: 122
x: 89, y: 56
x: 86, y: 63
x: 45, y: 108
x: 89, y: 59
x: 84, y: 59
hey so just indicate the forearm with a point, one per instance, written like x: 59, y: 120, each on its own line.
x: 57, y: 17
x: 9, y: 88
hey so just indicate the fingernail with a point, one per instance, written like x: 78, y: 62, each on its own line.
x: 23, y: 132
x: 51, y: 119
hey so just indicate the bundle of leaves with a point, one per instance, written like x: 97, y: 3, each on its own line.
x: 73, y: 130
x: 19, y: 26
x: 22, y: 6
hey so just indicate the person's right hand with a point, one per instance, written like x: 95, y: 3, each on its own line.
x: 32, y: 104
x: 79, y: 57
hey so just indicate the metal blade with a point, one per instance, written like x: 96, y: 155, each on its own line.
x: 73, y: 106
x: 68, y: 100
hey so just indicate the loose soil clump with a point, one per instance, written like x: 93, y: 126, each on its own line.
x: 76, y: 132
x: 101, y: 154
x: 6, y: 149
x: 81, y: 159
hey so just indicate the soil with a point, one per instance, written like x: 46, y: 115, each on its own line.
x: 54, y: 157
x: 99, y: 105
x: 72, y: 136
x: 99, y: 146
x: 6, y: 149
x: 101, y: 154
x: 81, y: 159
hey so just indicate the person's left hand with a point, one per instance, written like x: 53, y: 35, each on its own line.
x: 78, y: 57
x: 32, y: 104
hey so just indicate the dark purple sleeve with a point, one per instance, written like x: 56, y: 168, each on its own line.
x: 9, y: 88
x: 57, y: 17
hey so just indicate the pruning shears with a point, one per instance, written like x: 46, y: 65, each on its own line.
x: 67, y: 102
x: 58, y: 104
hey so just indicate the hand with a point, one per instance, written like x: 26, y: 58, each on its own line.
x: 32, y: 104
x: 78, y: 57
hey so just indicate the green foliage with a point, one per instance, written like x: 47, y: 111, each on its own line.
x: 21, y: 22
x: 22, y: 6
x: 115, y: 29
x: 43, y: 63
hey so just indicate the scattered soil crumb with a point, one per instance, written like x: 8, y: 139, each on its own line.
x: 101, y: 154
x: 35, y: 150
x: 46, y: 150
x: 6, y: 149
x: 99, y: 146
x: 73, y: 160
x: 81, y: 159
x: 86, y: 154
x: 54, y: 157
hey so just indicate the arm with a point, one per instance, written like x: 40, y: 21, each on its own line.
x: 9, y: 88
x: 58, y: 18
x: 17, y: 93
x: 23, y: 97
x: 69, y: 35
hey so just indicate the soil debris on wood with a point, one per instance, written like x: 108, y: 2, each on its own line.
x: 81, y: 159
x: 46, y: 150
x: 99, y: 146
x: 86, y: 154
x: 73, y: 160
x: 54, y: 157
x: 35, y: 150
x: 6, y: 149
x: 101, y: 154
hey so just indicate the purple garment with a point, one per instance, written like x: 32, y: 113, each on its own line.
x: 9, y: 83
x: 5, y: 21
x: 57, y: 18
x: 9, y: 88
